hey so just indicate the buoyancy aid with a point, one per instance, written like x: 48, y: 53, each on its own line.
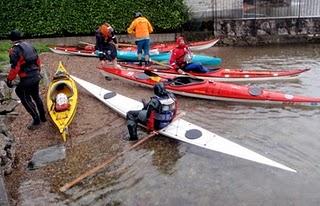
x: 165, y: 113
x: 30, y: 57
x: 180, y: 57
x: 29, y: 53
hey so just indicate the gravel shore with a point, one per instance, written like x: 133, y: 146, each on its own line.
x: 85, y: 148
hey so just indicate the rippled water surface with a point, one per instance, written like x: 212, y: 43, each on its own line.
x: 168, y: 172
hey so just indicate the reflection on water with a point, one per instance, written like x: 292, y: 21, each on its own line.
x: 168, y: 172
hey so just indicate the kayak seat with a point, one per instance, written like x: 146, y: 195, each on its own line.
x: 185, y: 80
x: 61, y: 88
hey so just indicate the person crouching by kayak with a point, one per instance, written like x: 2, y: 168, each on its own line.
x: 141, y: 28
x: 106, y: 44
x: 155, y: 115
x: 181, y: 58
x: 25, y: 62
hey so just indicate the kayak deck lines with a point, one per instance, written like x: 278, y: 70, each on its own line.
x: 180, y: 129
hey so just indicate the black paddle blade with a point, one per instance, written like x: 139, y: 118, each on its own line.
x: 109, y: 95
x: 150, y: 73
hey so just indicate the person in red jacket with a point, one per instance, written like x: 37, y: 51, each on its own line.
x: 181, y: 58
x: 25, y: 62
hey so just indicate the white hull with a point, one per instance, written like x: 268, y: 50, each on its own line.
x: 59, y: 51
x: 178, y: 128
x: 205, y: 46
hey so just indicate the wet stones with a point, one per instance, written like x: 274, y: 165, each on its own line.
x: 7, y: 149
x: 46, y: 156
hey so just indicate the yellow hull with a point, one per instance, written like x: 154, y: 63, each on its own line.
x: 62, y: 83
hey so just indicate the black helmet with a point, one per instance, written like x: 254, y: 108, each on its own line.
x: 137, y: 14
x: 15, y: 35
x: 159, y: 90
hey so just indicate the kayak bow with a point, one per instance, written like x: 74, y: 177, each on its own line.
x: 180, y: 129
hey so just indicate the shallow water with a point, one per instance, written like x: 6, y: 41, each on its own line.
x: 168, y: 172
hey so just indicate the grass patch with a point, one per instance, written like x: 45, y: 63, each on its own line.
x: 6, y: 45
x: 41, y: 47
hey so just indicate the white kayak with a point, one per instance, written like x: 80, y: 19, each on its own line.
x: 179, y: 129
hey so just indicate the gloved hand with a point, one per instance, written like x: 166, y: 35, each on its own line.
x: 9, y: 83
x: 180, y: 71
x: 173, y: 66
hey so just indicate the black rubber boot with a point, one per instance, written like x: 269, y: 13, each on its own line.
x: 140, y: 63
x: 132, y: 127
x: 43, y: 118
x: 147, y: 64
x: 34, y: 124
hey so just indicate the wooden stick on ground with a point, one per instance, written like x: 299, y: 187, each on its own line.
x: 104, y: 164
x: 108, y: 161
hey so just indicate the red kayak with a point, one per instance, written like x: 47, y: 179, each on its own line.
x: 199, y: 88
x: 168, y: 46
x: 88, y: 49
x: 222, y: 74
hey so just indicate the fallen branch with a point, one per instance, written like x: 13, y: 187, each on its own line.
x: 110, y: 160
x: 104, y: 164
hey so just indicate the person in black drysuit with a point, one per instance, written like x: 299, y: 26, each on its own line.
x: 25, y: 62
x: 106, y: 43
x: 155, y: 115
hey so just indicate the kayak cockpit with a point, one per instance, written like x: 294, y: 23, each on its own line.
x: 182, y: 81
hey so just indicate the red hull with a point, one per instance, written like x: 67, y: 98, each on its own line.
x: 198, y: 88
x: 167, y: 47
x: 225, y: 75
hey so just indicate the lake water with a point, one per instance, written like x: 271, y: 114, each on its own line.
x: 168, y: 172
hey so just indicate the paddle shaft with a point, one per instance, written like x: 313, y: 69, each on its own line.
x: 119, y: 44
x: 104, y: 164
x: 110, y: 160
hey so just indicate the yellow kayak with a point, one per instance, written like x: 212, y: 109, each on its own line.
x: 62, y: 99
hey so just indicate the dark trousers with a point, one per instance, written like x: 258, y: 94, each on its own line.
x: 195, y: 67
x: 132, y: 123
x: 26, y: 94
x: 110, y: 52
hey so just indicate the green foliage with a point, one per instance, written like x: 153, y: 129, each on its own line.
x: 37, y: 18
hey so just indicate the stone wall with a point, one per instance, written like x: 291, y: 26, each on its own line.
x: 268, y: 31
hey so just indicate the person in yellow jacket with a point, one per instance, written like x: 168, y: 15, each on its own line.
x: 141, y: 28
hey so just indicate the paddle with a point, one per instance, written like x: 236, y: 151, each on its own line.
x: 119, y: 44
x: 127, y: 45
x: 169, y: 80
x: 161, y: 64
x: 86, y: 43
x: 170, y: 67
x: 110, y: 160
